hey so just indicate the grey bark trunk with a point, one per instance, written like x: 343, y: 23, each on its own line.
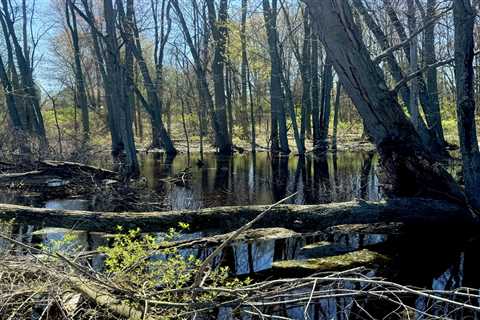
x: 279, y: 139
x: 464, y: 19
x: 429, y: 58
x: 71, y: 19
x: 427, y: 106
x: 293, y: 217
x: 409, y: 169
x: 121, y: 113
x: 219, y: 33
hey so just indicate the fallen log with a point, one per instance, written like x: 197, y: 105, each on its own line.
x: 293, y: 217
x: 54, y: 174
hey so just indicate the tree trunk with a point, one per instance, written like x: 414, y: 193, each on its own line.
x: 160, y: 136
x: 122, y: 114
x: 426, y: 135
x: 244, y: 70
x: 422, y: 92
x: 279, y: 139
x: 81, y: 92
x: 306, y: 70
x: 336, y: 114
x: 429, y: 57
x: 219, y: 33
x: 464, y: 19
x: 315, y: 90
x: 409, y: 169
x: 293, y: 217
x: 325, y: 106
x: 412, y: 28
x: 206, y: 99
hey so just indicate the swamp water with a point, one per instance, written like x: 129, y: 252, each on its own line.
x: 441, y: 260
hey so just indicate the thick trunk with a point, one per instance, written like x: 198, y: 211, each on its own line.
x: 279, y: 139
x: 219, y: 32
x: 294, y: 217
x: 121, y: 112
x: 429, y: 58
x: 408, y: 167
x: 464, y: 17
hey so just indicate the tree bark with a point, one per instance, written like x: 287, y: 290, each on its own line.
x: 422, y: 93
x: 426, y: 135
x: 409, y: 169
x: 429, y: 58
x: 122, y: 114
x: 81, y: 92
x: 279, y: 139
x: 464, y: 19
x: 219, y: 33
x: 293, y: 217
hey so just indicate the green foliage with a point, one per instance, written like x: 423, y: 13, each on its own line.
x: 70, y: 243
x: 143, y: 264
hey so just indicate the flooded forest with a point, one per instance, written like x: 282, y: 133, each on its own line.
x: 239, y: 159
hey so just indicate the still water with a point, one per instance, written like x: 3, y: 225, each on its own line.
x: 259, y: 179
x: 432, y: 259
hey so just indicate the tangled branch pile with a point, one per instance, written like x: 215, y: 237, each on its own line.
x: 141, y: 282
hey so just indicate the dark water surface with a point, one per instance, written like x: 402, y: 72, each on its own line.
x: 259, y: 179
x: 432, y: 259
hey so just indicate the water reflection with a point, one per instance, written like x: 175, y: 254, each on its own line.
x: 262, y: 179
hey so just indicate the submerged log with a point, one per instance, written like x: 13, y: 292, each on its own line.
x: 332, y: 263
x: 294, y: 217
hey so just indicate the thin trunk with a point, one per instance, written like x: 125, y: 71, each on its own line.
x: 437, y: 146
x: 81, y: 92
x: 315, y: 91
x: 336, y: 115
x: 306, y: 77
x: 244, y: 66
x: 252, y: 114
x: 412, y: 27
x: 160, y: 136
x: 206, y: 99
x: 325, y: 106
